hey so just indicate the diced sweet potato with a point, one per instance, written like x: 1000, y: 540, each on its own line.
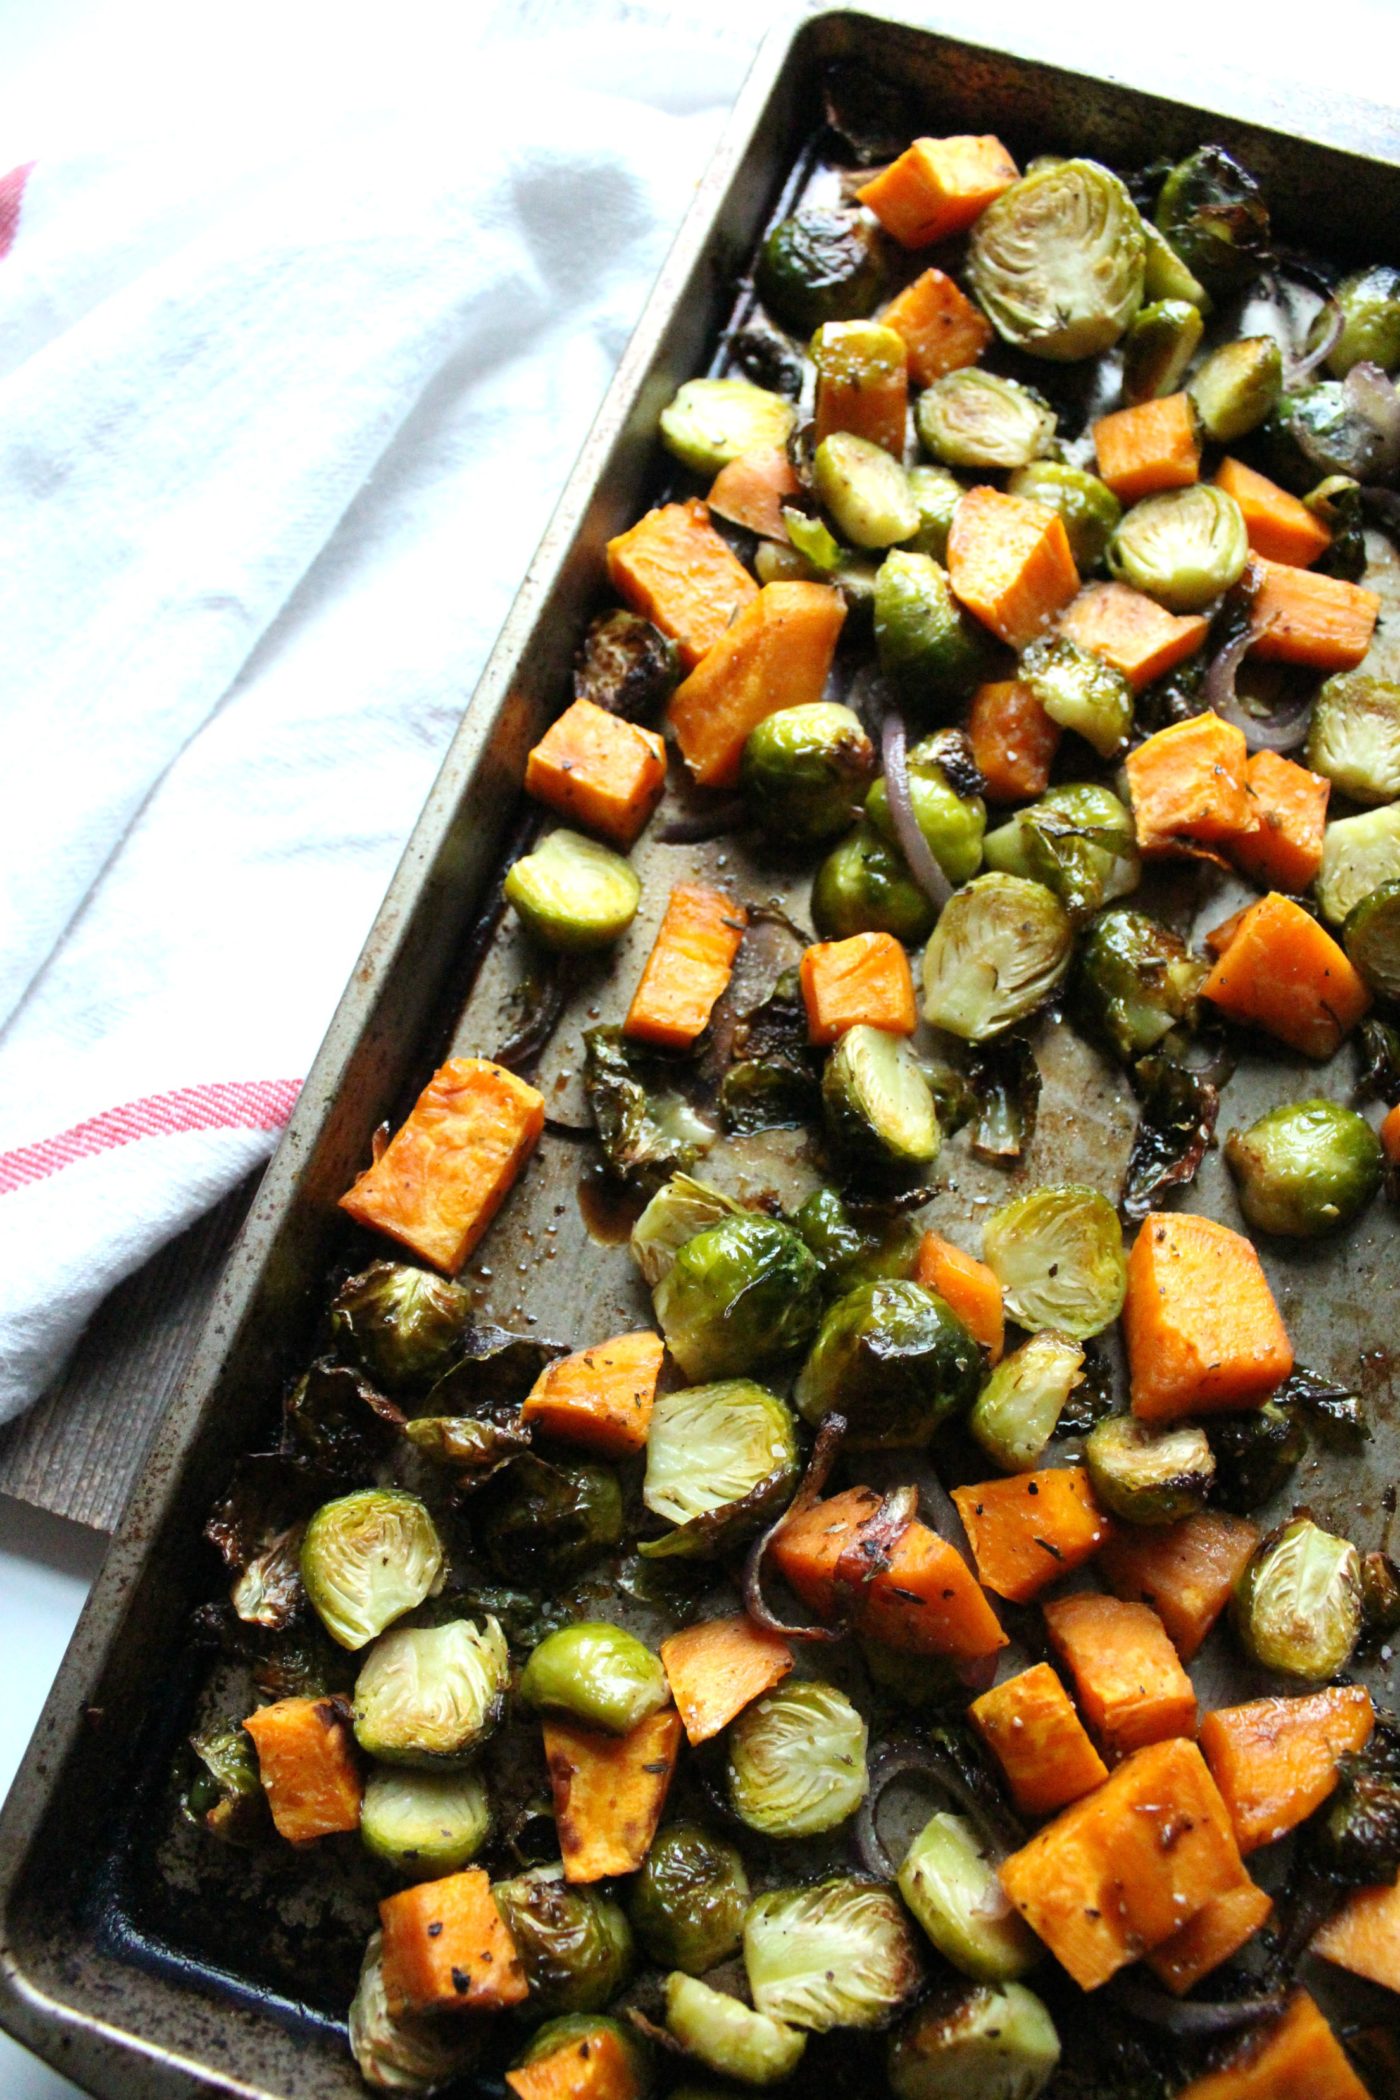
x: 688, y: 969
x: 308, y: 1767
x: 1132, y: 632
x: 751, y: 491
x: 943, y: 331
x: 1283, y: 848
x: 674, y: 569
x: 1009, y: 562
x: 1215, y: 1934
x: 937, y: 187
x: 1279, y: 526
x: 1185, y: 1571
x: 969, y: 1286
x: 601, y: 771
x: 1187, y: 784
x: 595, y: 2065
x: 1199, y: 1320
x: 1300, y: 617
x: 1127, y: 1675
x: 1032, y: 1730
x: 775, y: 655
x: 1150, y: 447
x: 1014, y: 741
x: 1029, y: 1530
x: 609, y: 1791
x: 1275, y: 1760
x: 447, y: 1948
x: 1364, y: 1935
x: 718, y: 1668
x: 1284, y: 973
x: 863, y: 979
x: 1297, y: 2058
x: 600, y: 1398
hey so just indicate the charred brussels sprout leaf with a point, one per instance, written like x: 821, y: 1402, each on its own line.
x: 797, y: 1760
x: 1159, y: 345
x: 804, y: 769
x: 574, y: 1943
x: 1212, y: 212
x: 838, y: 1954
x: 1337, y: 503
x: 1058, y: 260
x: 821, y: 265
x: 1237, y: 387
x: 1058, y: 1256
x: 1333, y: 1411
x: 1080, y: 691
x: 429, y: 1695
x: 224, y: 1794
x: 1297, y: 1606
x: 366, y: 1559
x: 1380, y: 1595
x: 1321, y: 431
x: 425, y: 1823
x: 1254, y: 1454
x: 1358, y: 855
x: 475, y: 1449
x: 1176, y: 1122
x: 948, y: 810
x: 1134, y: 982
x: 573, y: 894
x: 645, y: 1127
x: 712, y: 421
x: 680, y: 1208
x: 727, y: 2036
x: 688, y: 1902
x: 258, y: 1528
x: 1306, y: 1168
x: 1370, y: 303
x: 1000, y: 948
x: 933, y: 653
x: 768, y: 359
x: 894, y: 1360
x: 854, y: 1247
x: 1077, y: 840
x: 1148, y: 1475
x: 1184, y: 548
x: 597, y: 1673
x: 404, y: 2052
x: 1377, y: 1062
x: 1356, y: 1842
x: 541, y: 1523
x: 873, y: 117
x: 492, y: 1375
x: 626, y: 666
x: 1354, y: 736
x: 950, y: 1883
x: 864, y: 886
x: 337, y: 1420
x: 1018, y: 1410
x: 865, y: 490
x: 774, y: 1081
x: 742, y: 1293
x: 973, y: 418
x: 994, y: 2043
x: 719, y: 1458
x: 402, y: 1323
x: 1005, y: 1081
x: 1087, y: 507
x: 879, y: 1111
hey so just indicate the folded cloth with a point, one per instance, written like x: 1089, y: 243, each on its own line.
x: 282, y: 416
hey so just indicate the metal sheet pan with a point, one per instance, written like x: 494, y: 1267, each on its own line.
x: 120, y: 1990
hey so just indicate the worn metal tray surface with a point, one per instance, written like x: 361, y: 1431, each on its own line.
x: 143, y: 1964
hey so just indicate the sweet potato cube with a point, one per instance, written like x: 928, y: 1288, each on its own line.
x: 863, y: 979
x: 447, y: 1948
x: 1132, y: 632
x: 1283, y: 848
x: 1185, y: 1571
x: 970, y: 1286
x: 1009, y: 562
x: 718, y: 1668
x: 751, y: 491
x: 609, y: 1791
x: 1284, y: 973
x: 1364, y: 1935
x: 1279, y: 526
x: 1032, y: 1730
x: 1014, y: 741
x: 1275, y: 1760
x: 1300, y: 617
x: 1148, y: 448
x: 776, y: 655
x: 594, y: 2065
x: 1298, y: 2058
x: 601, y: 771
x: 309, y: 1771
x: 599, y: 1398
x: 1127, y: 1675
x: 688, y: 969
x: 1199, y: 1320
x: 1215, y: 1934
x: 674, y: 569
x: 443, y: 1176
x: 1187, y: 784
x: 1030, y: 1529
x: 937, y: 187
x: 943, y: 331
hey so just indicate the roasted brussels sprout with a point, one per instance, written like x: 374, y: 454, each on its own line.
x: 1058, y: 260
x: 711, y: 421
x: 1080, y: 690
x: 1017, y: 1411
x: 1166, y: 275
x: 894, y: 1360
x: 1005, y: 1083
x: 1236, y: 388
x: 1321, y: 431
x: 429, y: 1695
x: 803, y: 770
x: 425, y: 1823
x: 1354, y: 736
x: 1255, y: 1452
x: 985, y: 2044
x: 1297, y: 1606
x: 1372, y: 939
x: 645, y: 1127
x: 951, y: 819
x: 739, y: 1294
x: 1000, y: 948
x: 1357, y: 1842
x: 224, y: 1794
x: 951, y: 1885
x: 718, y: 1457
x: 864, y: 886
x: 879, y: 1111
x: 972, y: 418
x: 402, y: 1323
x: 1213, y: 213
x: 821, y: 265
x: 574, y: 894
x: 1336, y: 503
x: 1134, y: 981
x: 583, y: 2033
x: 1370, y: 303
x: 598, y: 1673
x: 575, y: 1944
x: 366, y: 1559
x: 797, y: 1761
x: 1159, y: 345
x: 1358, y: 855
x: 680, y: 1208
x: 774, y: 1081
x: 854, y: 1248
x: 1077, y: 840
x: 937, y: 494
x: 1087, y: 507
x: 1058, y: 1256
x: 920, y: 1682
x: 626, y: 666
x: 1149, y: 1475
x: 865, y: 490
x: 837, y: 1954
x: 931, y: 651
x: 1305, y: 1168
x: 404, y: 2052
x: 727, y: 2036
x: 1184, y: 548
x: 688, y: 1902
x: 544, y: 1522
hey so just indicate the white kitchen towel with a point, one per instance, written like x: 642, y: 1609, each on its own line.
x: 283, y: 410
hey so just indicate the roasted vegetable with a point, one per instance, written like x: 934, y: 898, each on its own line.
x: 1254, y: 1454
x: 718, y: 1457
x: 1357, y: 1842
x: 544, y: 1522
x: 804, y: 769
x: 837, y: 1954
x: 575, y: 1944
x: 1354, y: 736
x: 1184, y: 548
x: 728, y: 2036
x: 1236, y: 387
x: 1080, y: 690
x: 893, y: 1360
x: 1058, y: 1255
x: 572, y: 893
x: 425, y: 1823
x: 1176, y: 1122
x: 974, y: 419
x: 1030, y: 1530
x: 711, y: 421
x: 855, y: 1247
x: 626, y: 666
x: 950, y: 815
x: 1057, y: 261
x: 1371, y: 936
x: 741, y: 1293
x: 1009, y: 563
x: 366, y: 1559
x: 984, y: 2044
x: 1016, y: 1413
x: 950, y: 1883
x: 402, y: 1323
x: 1212, y: 212
x: 688, y: 1903
x: 1161, y: 341
x: 1000, y: 948
x: 1147, y: 1475
x: 1134, y: 981
x: 1087, y: 506
x: 224, y: 1794
x: 609, y: 1791
x: 645, y: 1127
x: 937, y: 494
x: 797, y: 1760
x: 864, y: 886
x: 1305, y: 1168
x: 821, y: 265
x: 774, y: 1079
x: 931, y: 651
x: 404, y: 2052
x: 1203, y: 1332
x: 1297, y: 1606
x: 1029, y: 1724
x: 1077, y: 840
x: 1319, y: 433
x: 681, y: 1207
x: 716, y: 1667
x: 598, y: 1674
x: 1358, y: 855
x: 600, y: 2059
x: 878, y: 1108
x: 865, y: 490
x: 1370, y: 303
x: 429, y: 1695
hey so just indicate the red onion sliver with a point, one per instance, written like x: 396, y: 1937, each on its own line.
x: 1303, y: 368
x: 1190, y: 2018
x: 825, y: 1452
x: 914, y: 846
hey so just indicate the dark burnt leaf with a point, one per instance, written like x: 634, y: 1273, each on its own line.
x: 1005, y: 1081
x: 1334, y: 1411
x: 768, y: 358
x: 1144, y: 184
x: 221, y: 1789
x: 952, y: 750
x: 1377, y: 1047
x: 402, y: 1322
x: 492, y: 1376
x: 257, y: 1527
x: 774, y: 1082
x: 534, y: 1010
x: 335, y: 1419
x: 873, y: 117
x: 286, y: 1662
x: 1176, y: 1122
x: 524, y: 1616
x: 1355, y: 1838
x: 540, y: 1523
x: 1093, y: 1397
x: 646, y: 1126
x: 1255, y: 1453
x: 626, y: 666
x: 474, y: 1449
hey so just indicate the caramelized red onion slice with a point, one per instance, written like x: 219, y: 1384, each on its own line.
x: 1283, y: 730
x: 1188, y: 2018
x: 825, y: 1452
x: 935, y: 1768
x: 894, y: 753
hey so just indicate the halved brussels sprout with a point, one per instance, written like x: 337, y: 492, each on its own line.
x: 1372, y: 938
x: 821, y: 265
x: 1134, y: 981
x: 973, y: 418
x: 718, y: 1457
x: 951, y: 1884
x: 1078, y: 840
x: 598, y: 1673
x: 1370, y: 303
x: 709, y: 422
x: 1237, y: 387
x: 544, y: 1522
x: 581, y: 2033
x: 1297, y: 1606
x: 1183, y: 548
x: 428, y: 1695
x: 838, y: 1954
x: 877, y: 1104
x: 1080, y: 690
x: 937, y: 494
x: 1305, y: 1168
x: 402, y: 1323
x: 366, y: 1559
x: 574, y: 894
x: 575, y: 1944
x: 819, y: 550
x: 689, y: 1901
x: 1058, y: 1255
x: 404, y: 2052
x: 425, y: 1823
x: 1358, y: 855
x: 1000, y: 948
x: 1148, y: 1475
x: 1087, y: 507
x: 225, y: 1792
x: 951, y: 820
x: 1255, y: 1451
x: 1167, y: 276
x: 1213, y: 213
x: 1158, y: 347
x: 804, y: 769
x: 626, y: 666
x: 864, y: 886
x: 855, y: 1249
x: 1016, y: 1413
x: 1058, y: 260
x: 986, y: 2044
x: 894, y: 1360
x: 797, y: 1762
x: 739, y: 1294
x: 680, y: 1208
x: 1321, y: 431
x: 931, y: 651
x: 865, y: 490
x: 1354, y: 736
x: 728, y: 2036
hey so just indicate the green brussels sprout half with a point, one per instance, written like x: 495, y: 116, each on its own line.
x: 1134, y: 982
x: 1237, y: 387
x: 1372, y: 939
x: 986, y: 2044
x: 951, y: 1884
x: 1087, y: 507
x: 937, y: 494
x: 1080, y: 691
x: 708, y: 422
x: 864, y: 489
x: 224, y: 1794
x: 878, y: 1108
x: 1161, y: 342
x: 575, y: 1944
x: 1370, y: 303
x: 582, y: 2030
x: 804, y: 768
x: 727, y: 2036
x: 1321, y: 431
x: 1148, y: 1475
x: 680, y: 1208
x: 739, y: 1294
x: 718, y: 1458
x: 626, y: 666
x: 796, y: 1761
x: 1255, y: 1451
x: 972, y: 418
x: 689, y: 1900
x: 1000, y: 948
x: 1166, y: 275
x: 1305, y: 1168
x: 1358, y: 855
x: 864, y: 886
x: 820, y: 552
x: 894, y: 1360
x: 853, y: 1250
x: 405, y: 2052
x: 366, y: 1559
x: 1354, y: 736
x: 1058, y: 260
x: 402, y: 1323
x: 1212, y: 212
x: 931, y: 651
x: 597, y: 1673
x: 571, y: 893
x: 1297, y: 1606
x: 1018, y: 1409
x: 838, y: 1954
x: 1058, y: 1255
x: 1078, y: 840
x: 953, y: 822
x: 821, y: 265
x: 429, y: 1695
x: 547, y: 1521
x: 424, y: 1823
x: 1184, y: 548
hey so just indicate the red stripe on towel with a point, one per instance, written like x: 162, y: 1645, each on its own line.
x: 232, y: 1104
x: 11, y: 194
